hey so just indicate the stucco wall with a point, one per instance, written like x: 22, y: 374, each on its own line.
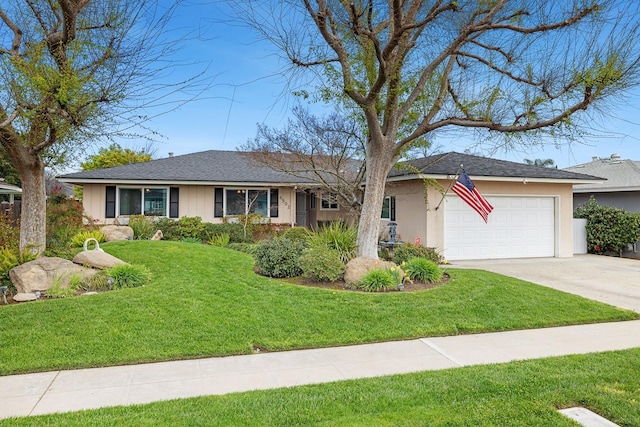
x: 418, y: 219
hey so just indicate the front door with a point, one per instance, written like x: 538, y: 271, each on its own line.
x: 301, y: 209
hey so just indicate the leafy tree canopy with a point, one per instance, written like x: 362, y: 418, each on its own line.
x: 115, y: 155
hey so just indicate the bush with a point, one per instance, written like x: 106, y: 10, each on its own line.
x: 221, y: 240
x: 64, y: 220
x: 423, y: 270
x: 234, y: 230
x: 247, y: 248
x: 143, y: 227
x: 608, y: 228
x: 81, y: 237
x: 11, y: 257
x: 339, y: 237
x: 128, y: 275
x: 191, y: 227
x: 58, y: 291
x: 322, y: 263
x: 406, y: 251
x: 378, y: 280
x: 298, y: 234
x: 9, y: 232
x: 279, y: 257
x: 169, y: 228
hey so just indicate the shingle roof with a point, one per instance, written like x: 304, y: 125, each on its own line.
x: 235, y: 166
x: 448, y: 164
x: 622, y: 175
x: 205, y: 166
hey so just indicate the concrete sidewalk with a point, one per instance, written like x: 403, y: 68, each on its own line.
x: 63, y: 391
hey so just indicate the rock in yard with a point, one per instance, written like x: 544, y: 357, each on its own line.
x: 158, y: 235
x: 22, y: 297
x: 358, y: 267
x: 44, y: 272
x: 96, y: 259
x: 115, y: 233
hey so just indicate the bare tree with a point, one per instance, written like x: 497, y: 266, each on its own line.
x: 72, y: 71
x: 414, y: 67
x: 324, y: 152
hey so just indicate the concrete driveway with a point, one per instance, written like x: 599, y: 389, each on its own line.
x: 614, y: 281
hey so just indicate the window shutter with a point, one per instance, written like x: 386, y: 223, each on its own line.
x: 218, y: 208
x: 273, y: 209
x: 110, y: 206
x: 174, y: 199
x: 392, y: 208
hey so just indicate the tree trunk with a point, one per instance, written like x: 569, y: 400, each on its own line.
x: 379, y: 163
x: 33, y: 220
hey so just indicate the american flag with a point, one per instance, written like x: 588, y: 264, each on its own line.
x: 465, y: 189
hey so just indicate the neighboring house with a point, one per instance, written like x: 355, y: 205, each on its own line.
x: 621, y: 188
x: 532, y: 216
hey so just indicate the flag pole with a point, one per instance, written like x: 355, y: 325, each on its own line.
x: 455, y: 178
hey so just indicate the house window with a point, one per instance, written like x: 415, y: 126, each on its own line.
x: 389, y: 208
x: 142, y: 201
x: 239, y: 201
x: 329, y: 201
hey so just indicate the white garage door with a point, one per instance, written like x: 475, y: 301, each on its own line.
x: 518, y: 227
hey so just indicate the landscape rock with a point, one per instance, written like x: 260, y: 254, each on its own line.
x: 114, y: 233
x: 44, y: 272
x: 96, y: 259
x: 358, y: 267
x: 158, y: 235
x: 23, y: 297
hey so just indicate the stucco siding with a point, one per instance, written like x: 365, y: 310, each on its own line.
x: 417, y: 220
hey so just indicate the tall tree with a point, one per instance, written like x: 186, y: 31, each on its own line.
x: 68, y: 72
x: 115, y: 155
x: 545, y: 163
x: 418, y: 66
x: 324, y: 151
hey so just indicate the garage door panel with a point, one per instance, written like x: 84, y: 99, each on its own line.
x: 518, y: 227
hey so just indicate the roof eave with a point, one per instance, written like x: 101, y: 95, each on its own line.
x: 150, y: 182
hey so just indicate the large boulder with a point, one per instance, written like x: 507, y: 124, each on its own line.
x: 115, y: 233
x: 44, y: 272
x: 358, y: 267
x: 96, y: 259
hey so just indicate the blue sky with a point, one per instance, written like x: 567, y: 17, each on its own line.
x: 248, y: 90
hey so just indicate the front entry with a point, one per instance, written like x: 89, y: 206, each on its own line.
x: 302, y: 216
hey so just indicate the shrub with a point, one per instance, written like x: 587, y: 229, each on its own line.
x: 169, y: 228
x: 81, y: 237
x: 608, y: 228
x: 339, y: 237
x: 298, y: 234
x: 423, y: 270
x: 234, y: 230
x: 9, y: 232
x: 11, y: 257
x: 58, y: 291
x: 191, y: 240
x: 97, y: 282
x: 248, y: 248
x: 64, y: 220
x: 279, y: 257
x: 406, y: 251
x: 143, y: 227
x: 221, y: 240
x: 128, y: 275
x: 377, y: 280
x: 191, y: 227
x: 322, y: 263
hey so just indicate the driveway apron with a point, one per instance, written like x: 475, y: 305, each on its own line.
x: 612, y: 280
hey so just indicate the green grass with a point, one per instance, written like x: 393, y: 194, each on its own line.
x: 206, y: 301
x: 524, y: 393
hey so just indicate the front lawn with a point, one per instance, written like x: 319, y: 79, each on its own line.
x: 526, y: 393
x: 206, y: 301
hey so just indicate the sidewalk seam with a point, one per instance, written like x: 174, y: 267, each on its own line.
x: 44, y: 393
x: 442, y: 352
